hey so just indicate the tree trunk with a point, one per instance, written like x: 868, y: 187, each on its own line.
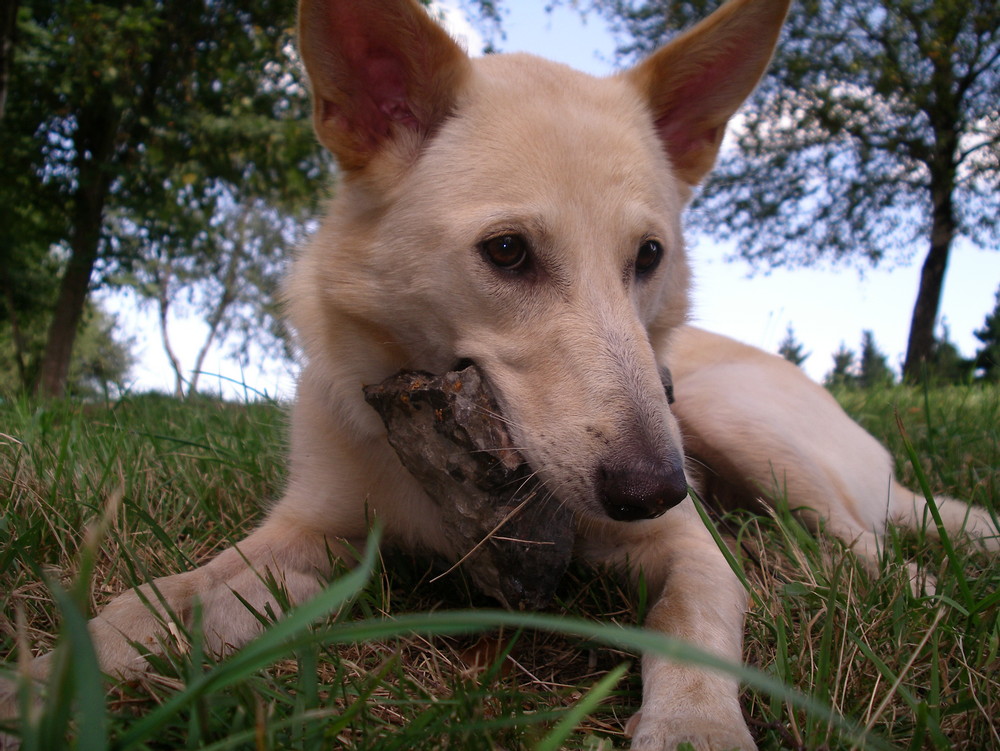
x: 920, y: 346
x: 94, y: 141
x: 8, y: 34
x: 73, y: 289
x: 230, y: 291
x: 944, y: 113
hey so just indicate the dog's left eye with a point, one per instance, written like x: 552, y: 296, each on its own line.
x: 648, y: 257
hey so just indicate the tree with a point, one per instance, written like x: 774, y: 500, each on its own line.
x: 791, y: 349
x: 229, y: 275
x: 877, y: 129
x: 873, y: 369
x: 26, y: 285
x: 32, y: 225
x: 101, y: 362
x: 987, y: 358
x: 946, y: 364
x: 843, y: 369
x: 102, y: 359
x: 121, y: 109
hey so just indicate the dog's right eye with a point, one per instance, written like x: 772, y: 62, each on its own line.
x: 507, y: 252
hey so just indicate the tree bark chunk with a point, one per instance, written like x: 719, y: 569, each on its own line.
x: 450, y: 435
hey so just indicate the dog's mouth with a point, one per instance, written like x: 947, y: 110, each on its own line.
x: 514, y: 538
x: 451, y: 434
x: 626, y: 489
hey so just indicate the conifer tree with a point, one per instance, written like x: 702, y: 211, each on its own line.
x: 791, y: 349
x: 843, y: 369
x: 987, y: 358
x: 874, y: 368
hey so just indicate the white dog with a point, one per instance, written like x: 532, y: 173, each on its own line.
x: 513, y: 212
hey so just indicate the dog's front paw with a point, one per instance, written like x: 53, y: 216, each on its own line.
x: 702, y: 733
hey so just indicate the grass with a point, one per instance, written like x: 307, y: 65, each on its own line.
x: 402, y: 664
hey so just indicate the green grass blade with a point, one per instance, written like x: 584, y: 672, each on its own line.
x: 940, y: 740
x: 86, y: 676
x: 579, y: 711
x: 954, y: 561
x: 733, y: 562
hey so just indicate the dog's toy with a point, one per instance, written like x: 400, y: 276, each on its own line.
x: 450, y: 435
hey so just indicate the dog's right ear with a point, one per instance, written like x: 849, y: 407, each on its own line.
x: 381, y: 71
x: 697, y: 82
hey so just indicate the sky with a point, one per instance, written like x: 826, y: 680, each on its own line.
x: 825, y: 306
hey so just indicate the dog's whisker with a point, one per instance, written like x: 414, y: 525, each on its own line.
x: 690, y: 461
x: 497, y: 415
x: 496, y: 449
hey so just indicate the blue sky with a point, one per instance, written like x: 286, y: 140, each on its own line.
x: 825, y: 306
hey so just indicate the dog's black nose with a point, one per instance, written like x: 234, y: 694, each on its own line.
x: 634, y: 493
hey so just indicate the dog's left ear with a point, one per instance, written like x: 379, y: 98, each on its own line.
x: 698, y: 81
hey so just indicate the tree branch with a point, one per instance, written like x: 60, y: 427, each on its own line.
x: 163, y: 304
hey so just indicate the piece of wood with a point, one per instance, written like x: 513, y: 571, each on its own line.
x: 448, y: 432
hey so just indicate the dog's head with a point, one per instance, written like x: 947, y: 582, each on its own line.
x: 514, y: 212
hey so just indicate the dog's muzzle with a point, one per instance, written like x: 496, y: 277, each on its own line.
x: 643, y: 488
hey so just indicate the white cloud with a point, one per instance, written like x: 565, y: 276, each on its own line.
x: 458, y: 25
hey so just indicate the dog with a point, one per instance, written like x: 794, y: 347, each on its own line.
x: 518, y: 214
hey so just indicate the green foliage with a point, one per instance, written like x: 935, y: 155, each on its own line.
x: 102, y: 358
x: 391, y: 670
x: 987, y: 358
x: 26, y: 286
x: 193, y: 92
x: 791, y: 349
x: 844, y: 372
x: 946, y: 364
x: 869, y: 370
x: 126, y: 124
x: 101, y: 362
x: 866, y: 102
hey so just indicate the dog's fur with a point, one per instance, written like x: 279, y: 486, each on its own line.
x: 452, y: 166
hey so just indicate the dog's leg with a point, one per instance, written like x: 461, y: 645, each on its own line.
x: 277, y: 555
x: 323, y: 517
x: 759, y: 428
x: 910, y: 511
x: 154, y: 617
x: 696, y: 597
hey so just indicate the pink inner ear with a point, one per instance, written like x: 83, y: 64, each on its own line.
x: 685, y: 139
x: 375, y: 67
x: 386, y: 88
x: 702, y: 105
x: 381, y: 97
x: 379, y: 74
